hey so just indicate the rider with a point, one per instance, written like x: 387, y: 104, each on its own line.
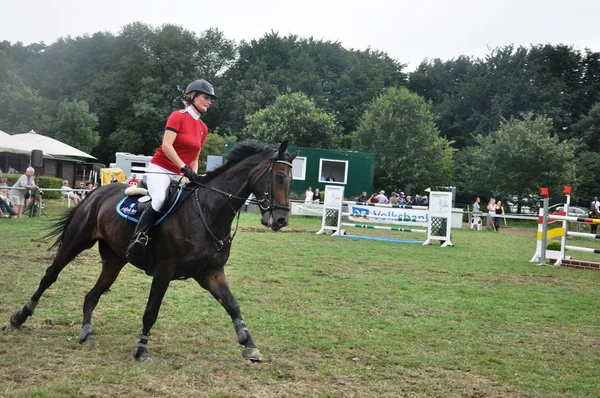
x: 183, y: 138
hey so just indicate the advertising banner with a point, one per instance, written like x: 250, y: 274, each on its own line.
x: 414, y: 217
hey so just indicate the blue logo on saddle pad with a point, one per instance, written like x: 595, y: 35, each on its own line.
x: 128, y: 208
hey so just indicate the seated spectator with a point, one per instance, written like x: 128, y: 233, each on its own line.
x: 363, y: 198
x: 96, y: 185
x: 67, y: 192
x: 330, y: 178
x: 402, y: 199
x: 133, y: 181
x: 6, y: 209
x: 88, y: 188
x: 317, y: 195
x: 373, y: 198
x: 394, y: 198
x: 382, y: 198
x: 409, y: 200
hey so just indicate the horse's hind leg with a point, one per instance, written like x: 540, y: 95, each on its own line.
x: 217, y: 285
x: 63, y: 257
x: 112, y: 265
x: 65, y: 254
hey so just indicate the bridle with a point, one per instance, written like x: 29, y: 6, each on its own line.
x: 265, y: 204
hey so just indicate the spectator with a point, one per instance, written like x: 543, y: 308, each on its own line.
x: 382, y: 198
x: 113, y: 178
x: 96, y: 185
x: 6, y: 208
x: 491, y: 207
x: 88, y: 188
x: 68, y: 193
x: 308, y: 195
x: 373, y: 198
x: 499, y: 213
x: 363, y: 198
x: 394, y: 199
x: 323, y: 177
x: 595, y: 203
x: 476, y: 222
x: 17, y: 194
x: 317, y: 195
x: 406, y: 200
x: 330, y: 178
x: 133, y: 181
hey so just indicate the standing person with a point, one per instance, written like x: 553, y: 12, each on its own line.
x: 308, y: 195
x: 331, y: 177
x: 476, y: 222
x: 491, y: 207
x: 182, y: 141
x: 113, y: 178
x: 17, y: 194
x: 133, y: 181
x: 499, y: 213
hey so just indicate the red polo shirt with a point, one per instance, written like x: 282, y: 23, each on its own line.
x: 191, y: 134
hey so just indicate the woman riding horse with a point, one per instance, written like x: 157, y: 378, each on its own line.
x: 181, y: 144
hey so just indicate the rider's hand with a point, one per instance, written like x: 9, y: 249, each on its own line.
x: 189, y: 173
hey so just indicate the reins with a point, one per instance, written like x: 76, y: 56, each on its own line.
x: 265, y: 204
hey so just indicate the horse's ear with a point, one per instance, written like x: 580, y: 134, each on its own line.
x: 293, y: 155
x: 282, y: 149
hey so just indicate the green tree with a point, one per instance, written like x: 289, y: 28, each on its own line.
x: 214, y: 145
x: 399, y: 128
x: 293, y: 117
x: 21, y: 108
x: 76, y: 126
x: 516, y: 160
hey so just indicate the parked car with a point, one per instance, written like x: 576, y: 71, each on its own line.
x: 574, y: 211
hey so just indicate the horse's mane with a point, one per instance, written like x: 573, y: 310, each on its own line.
x: 236, y: 155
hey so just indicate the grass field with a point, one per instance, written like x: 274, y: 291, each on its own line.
x: 332, y: 317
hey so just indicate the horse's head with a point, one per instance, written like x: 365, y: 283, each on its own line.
x: 272, y: 188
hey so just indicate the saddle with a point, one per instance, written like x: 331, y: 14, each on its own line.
x: 137, y: 199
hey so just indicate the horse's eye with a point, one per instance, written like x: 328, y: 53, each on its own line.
x: 280, y: 177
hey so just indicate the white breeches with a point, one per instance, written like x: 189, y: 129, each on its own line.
x: 158, y: 180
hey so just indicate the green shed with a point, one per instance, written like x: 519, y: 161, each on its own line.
x: 312, y: 167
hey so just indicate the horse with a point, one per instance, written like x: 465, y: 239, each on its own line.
x: 193, y: 242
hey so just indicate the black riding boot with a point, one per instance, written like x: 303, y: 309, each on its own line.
x: 136, y: 251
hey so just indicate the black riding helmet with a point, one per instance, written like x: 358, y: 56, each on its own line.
x: 201, y: 86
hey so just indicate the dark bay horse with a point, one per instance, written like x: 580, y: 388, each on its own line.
x: 194, y: 242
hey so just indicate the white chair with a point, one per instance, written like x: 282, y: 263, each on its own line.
x: 68, y: 199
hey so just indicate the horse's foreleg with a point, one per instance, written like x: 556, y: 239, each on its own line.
x: 160, y: 283
x: 112, y: 265
x: 217, y: 285
x: 63, y: 257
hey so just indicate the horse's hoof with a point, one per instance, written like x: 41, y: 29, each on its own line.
x: 252, y: 354
x: 14, y: 319
x: 141, y: 355
x: 144, y: 358
x: 85, y: 334
x: 91, y: 342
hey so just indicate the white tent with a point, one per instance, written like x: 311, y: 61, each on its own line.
x: 9, y: 144
x: 49, y: 146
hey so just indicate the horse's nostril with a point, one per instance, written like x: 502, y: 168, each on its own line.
x: 282, y: 221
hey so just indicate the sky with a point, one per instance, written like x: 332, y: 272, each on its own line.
x: 408, y: 31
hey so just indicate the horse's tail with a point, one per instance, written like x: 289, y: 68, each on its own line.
x: 60, y: 226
